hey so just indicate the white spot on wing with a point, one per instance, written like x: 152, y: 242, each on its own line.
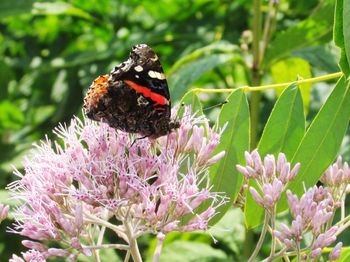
x: 152, y: 74
x: 157, y: 75
x: 138, y: 68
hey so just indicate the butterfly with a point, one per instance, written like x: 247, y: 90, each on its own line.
x: 134, y: 97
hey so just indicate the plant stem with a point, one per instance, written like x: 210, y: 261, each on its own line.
x: 158, y: 250
x: 134, y: 249
x: 262, y: 237
x: 127, y: 256
x: 273, y: 240
x: 268, y: 26
x: 255, y: 72
x: 273, y: 86
x: 108, y: 246
x: 256, y: 34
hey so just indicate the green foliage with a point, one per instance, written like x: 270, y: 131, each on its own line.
x: 234, y: 116
x: 190, y: 72
x: 317, y: 28
x: 191, y: 251
x: 320, y: 144
x: 287, y: 69
x: 342, y: 34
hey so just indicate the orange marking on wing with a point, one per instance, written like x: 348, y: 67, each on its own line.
x: 157, y: 98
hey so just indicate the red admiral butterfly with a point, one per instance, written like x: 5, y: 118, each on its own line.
x: 134, y: 97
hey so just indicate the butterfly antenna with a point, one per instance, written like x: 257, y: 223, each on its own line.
x: 216, y: 105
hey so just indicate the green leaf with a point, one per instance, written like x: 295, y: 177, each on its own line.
x: 283, y: 132
x: 191, y: 251
x: 11, y: 117
x: 345, y: 255
x: 234, y: 234
x: 15, y: 7
x: 217, y: 47
x: 234, y: 141
x: 59, y: 8
x: 6, y: 75
x: 291, y: 69
x: 190, y: 72
x: 342, y: 34
x: 321, y: 143
x: 316, y: 28
x: 321, y: 57
x: 346, y: 27
x: 191, y: 99
x: 286, y: 125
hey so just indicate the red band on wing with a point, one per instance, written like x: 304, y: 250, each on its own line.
x: 146, y: 92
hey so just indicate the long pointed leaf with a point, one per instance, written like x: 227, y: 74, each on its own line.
x: 322, y: 141
x: 342, y: 35
x: 234, y: 140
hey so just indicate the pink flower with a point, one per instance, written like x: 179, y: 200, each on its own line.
x: 94, y: 173
x: 271, y: 176
x: 337, y: 178
x: 316, y: 207
x: 335, y: 254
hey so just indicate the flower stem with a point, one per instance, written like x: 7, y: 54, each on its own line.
x: 134, y: 250
x: 132, y: 240
x: 158, y: 250
x: 108, y: 246
x: 261, y: 239
x: 267, y: 87
x: 127, y: 257
x: 269, y: 26
x: 273, y: 240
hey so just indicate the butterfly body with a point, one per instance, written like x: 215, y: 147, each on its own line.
x: 134, y: 97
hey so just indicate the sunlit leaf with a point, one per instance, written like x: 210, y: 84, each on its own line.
x: 234, y: 234
x: 11, y: 116
x: 342, y: 35
x: 320, y: 145
x: 234, y: 141
x: 59, y: 8
x: 345, y: 255
x: 292, y: 69
x: 191, y: 251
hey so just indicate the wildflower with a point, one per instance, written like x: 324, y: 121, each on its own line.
x: 335, y: 254
x: 94, y: 173
x: 316, y: 207
x: 323, y: 240
x: 311, y: 213
x: 271, y: 176
x: 337, y: 178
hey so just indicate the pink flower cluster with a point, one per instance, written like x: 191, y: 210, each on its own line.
x: 311, y: 213
x: 337, y: 178
x: 94, y: 173
x: 271, y: 176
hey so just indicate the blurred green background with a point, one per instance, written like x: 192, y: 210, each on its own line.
x: 50, y: 52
